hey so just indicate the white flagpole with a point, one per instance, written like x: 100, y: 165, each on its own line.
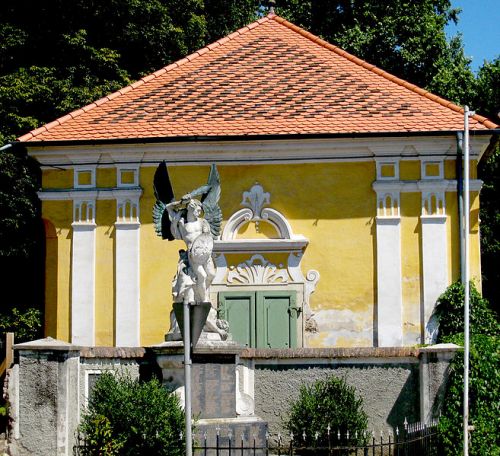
x: 187, y: 378
x: 466, y: 278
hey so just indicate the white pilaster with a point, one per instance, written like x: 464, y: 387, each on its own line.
x: 127, y: 290
x: 434, y: 245
x: 389, y: 287
x: 389, y: 292
x: 434, y: 266
x: 83, y: 281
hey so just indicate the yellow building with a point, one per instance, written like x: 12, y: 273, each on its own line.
x: 339, y: 195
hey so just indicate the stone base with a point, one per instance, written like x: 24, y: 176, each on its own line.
x: 204, y: 337
x: 220, y: 391
x: 173, y: 336
x: 245, y: 432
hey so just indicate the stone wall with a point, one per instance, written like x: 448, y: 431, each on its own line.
x: 394, y: 383
x: 50, y: 382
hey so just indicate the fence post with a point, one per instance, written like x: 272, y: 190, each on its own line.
x: 9, y: 350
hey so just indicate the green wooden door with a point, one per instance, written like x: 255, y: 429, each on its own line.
x: 278, y: 320
x: 238, y: 308
x: 262, y: 319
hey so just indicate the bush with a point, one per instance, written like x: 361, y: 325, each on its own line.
x: 327, y: 402
x: 25, y: 325
x: 128, y: 417
x: 484, y: 394
x: 450, y: 312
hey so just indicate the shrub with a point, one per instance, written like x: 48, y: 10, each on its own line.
x: 128, y: 417
x: 26, y: 325
x: 327, y: 402
x: 450, y: 312
x: 484, y: 394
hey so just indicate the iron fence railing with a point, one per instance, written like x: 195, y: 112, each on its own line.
x: 415, y: 439
x: 412, y: 440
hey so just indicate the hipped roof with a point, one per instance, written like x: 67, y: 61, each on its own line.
x: 269, y: 78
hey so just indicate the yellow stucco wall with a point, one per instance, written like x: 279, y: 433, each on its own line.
x: 331, y: 204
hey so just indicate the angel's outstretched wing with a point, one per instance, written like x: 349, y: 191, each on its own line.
x: 164, y: 195
x: 210, y: 202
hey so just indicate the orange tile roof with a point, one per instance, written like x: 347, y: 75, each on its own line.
x: 268, y: 78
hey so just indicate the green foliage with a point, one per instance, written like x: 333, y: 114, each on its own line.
x: 487, y: 99
x: 487, y: 102
x: 450, y: 312
x: 490, y: 225
x: 225, y: 16
x: 100, y: 440
x: 129, y: 417
x: 327, y: 402
x: 19, y: 203
x: 25, y: 325
x: 484, y: 404
x: 21, y: 231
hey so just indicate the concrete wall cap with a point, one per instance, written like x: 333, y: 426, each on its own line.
x: 112, y: 352
x: 332, y: 353
x: 47, y: 344
x: 440, y: 348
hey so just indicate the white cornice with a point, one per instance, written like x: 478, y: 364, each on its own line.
x: 445, y: 185
x: 255, y: 151
x: 100, y: 194
x: 261, y: 245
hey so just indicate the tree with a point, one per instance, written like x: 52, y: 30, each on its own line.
x: 450, y: 313
x: 225, y: 16
x: 484, y: 384
x: 484, y: 390
x: 487, y: 102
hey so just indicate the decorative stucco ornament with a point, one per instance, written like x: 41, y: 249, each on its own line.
x: 197, y: 223
x: 257, y: 271
x: 256, y: 199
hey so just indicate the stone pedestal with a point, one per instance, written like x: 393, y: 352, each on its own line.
x: 221, y: 407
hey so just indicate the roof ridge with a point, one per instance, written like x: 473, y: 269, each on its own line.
x: 145, y: 79
x: 414, y: 88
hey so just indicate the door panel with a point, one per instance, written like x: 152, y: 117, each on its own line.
x: 239, y: 311
x: 278, y: 321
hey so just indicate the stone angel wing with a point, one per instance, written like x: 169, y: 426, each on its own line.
x: 209, y: 195
x: 210, y: 202
x: 164, y: 194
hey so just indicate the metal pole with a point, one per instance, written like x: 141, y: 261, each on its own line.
x: 187, y: 379
x: 466, y: 279
x: 460, y: 198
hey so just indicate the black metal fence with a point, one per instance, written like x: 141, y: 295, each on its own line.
x: 413, y: 439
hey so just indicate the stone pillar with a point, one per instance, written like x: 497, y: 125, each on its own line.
x: 83, y: 272
x: 47, y: 398
x: 127, y: 289
x: 434, y: 372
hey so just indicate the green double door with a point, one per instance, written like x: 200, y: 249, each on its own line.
x: 261, y: 319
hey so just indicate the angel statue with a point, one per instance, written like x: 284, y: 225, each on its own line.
x: 197, y: 223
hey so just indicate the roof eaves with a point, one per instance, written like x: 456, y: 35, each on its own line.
x: 446, y: 103
x: 44, y: 128
x: 257, y: 137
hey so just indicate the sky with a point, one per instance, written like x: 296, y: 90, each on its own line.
x: 479, y: 23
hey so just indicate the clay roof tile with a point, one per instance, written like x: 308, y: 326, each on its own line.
x: 270, y: 77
